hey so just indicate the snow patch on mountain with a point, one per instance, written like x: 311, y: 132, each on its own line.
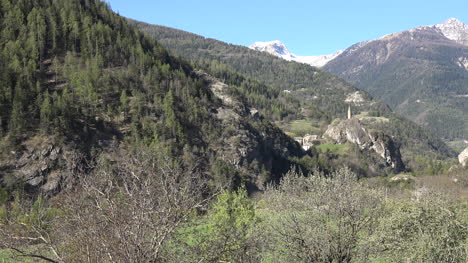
x: 277, y: 48
x: 318, y: 61
x: 452, y: 29
x: 455, y: 30
x: 462, y: 62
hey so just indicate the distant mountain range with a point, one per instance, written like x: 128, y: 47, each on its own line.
x: 278, y: 49
x: 421, y: 73
x: 453, y: 29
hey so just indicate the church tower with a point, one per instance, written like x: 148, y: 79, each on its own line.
x: 349, y: 112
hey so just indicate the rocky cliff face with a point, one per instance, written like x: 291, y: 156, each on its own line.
x: 41, y: 164
x: 343, y: 131
x: 246, y: 137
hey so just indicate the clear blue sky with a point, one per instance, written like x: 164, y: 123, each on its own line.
x: 312, y: 27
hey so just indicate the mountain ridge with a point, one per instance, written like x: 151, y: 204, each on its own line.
x: 422, y: 73
x: 452, y: 29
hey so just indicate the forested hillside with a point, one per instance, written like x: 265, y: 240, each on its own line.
x: 317, y: 95
x: 308, y: 84
x: 76, y: 78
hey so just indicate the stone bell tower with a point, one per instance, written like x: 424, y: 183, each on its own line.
x: 349, y: 112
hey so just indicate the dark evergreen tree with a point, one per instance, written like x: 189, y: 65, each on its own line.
x: 46, y: 113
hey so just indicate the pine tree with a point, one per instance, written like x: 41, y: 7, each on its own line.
x: 65, y: 106
x: 56, y: 68
x: 53, y: 33
x: 17, y: 118
x: 46, y: 114
x: 170, y: 120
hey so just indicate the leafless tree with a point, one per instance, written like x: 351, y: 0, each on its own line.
x: 128, y: 209
x: 319, y: 219
x: 25, y: 231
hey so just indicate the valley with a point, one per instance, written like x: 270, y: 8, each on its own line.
x: 420, y: 73
x: 123, y: 141
x: 320, y: 96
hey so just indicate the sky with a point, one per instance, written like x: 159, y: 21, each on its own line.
x: 313, y: 27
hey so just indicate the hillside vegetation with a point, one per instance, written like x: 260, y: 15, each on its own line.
x: 312, y: 95
x: 307, y: 84
x: 113, y: 150
x: 77, y: 79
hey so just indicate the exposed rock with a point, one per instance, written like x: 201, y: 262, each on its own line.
x: 463, y: 157
x: 36, y: 180
x: 245, y: 139
x: 36, y: 162
x: 53, y: 182
x: 462, y: 62
x: 299, y: 139
x: 343, y: 131
x: 42, y: 165
x: 255, y: 113
x: 310, y: 138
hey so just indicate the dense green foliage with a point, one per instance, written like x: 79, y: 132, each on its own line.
x: 429, y: 230
x: 78, y: 71
x: 224, y: 234
x: 66, y: 63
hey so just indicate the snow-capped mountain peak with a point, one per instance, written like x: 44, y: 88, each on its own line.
x: 277, y: 48
x: 453, y: 21
x: 455, y: 30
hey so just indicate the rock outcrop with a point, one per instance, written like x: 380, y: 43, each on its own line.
x: 463, y: 157
x: 247, y: 139
x: 343, y: 131
x: 42, y: 165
